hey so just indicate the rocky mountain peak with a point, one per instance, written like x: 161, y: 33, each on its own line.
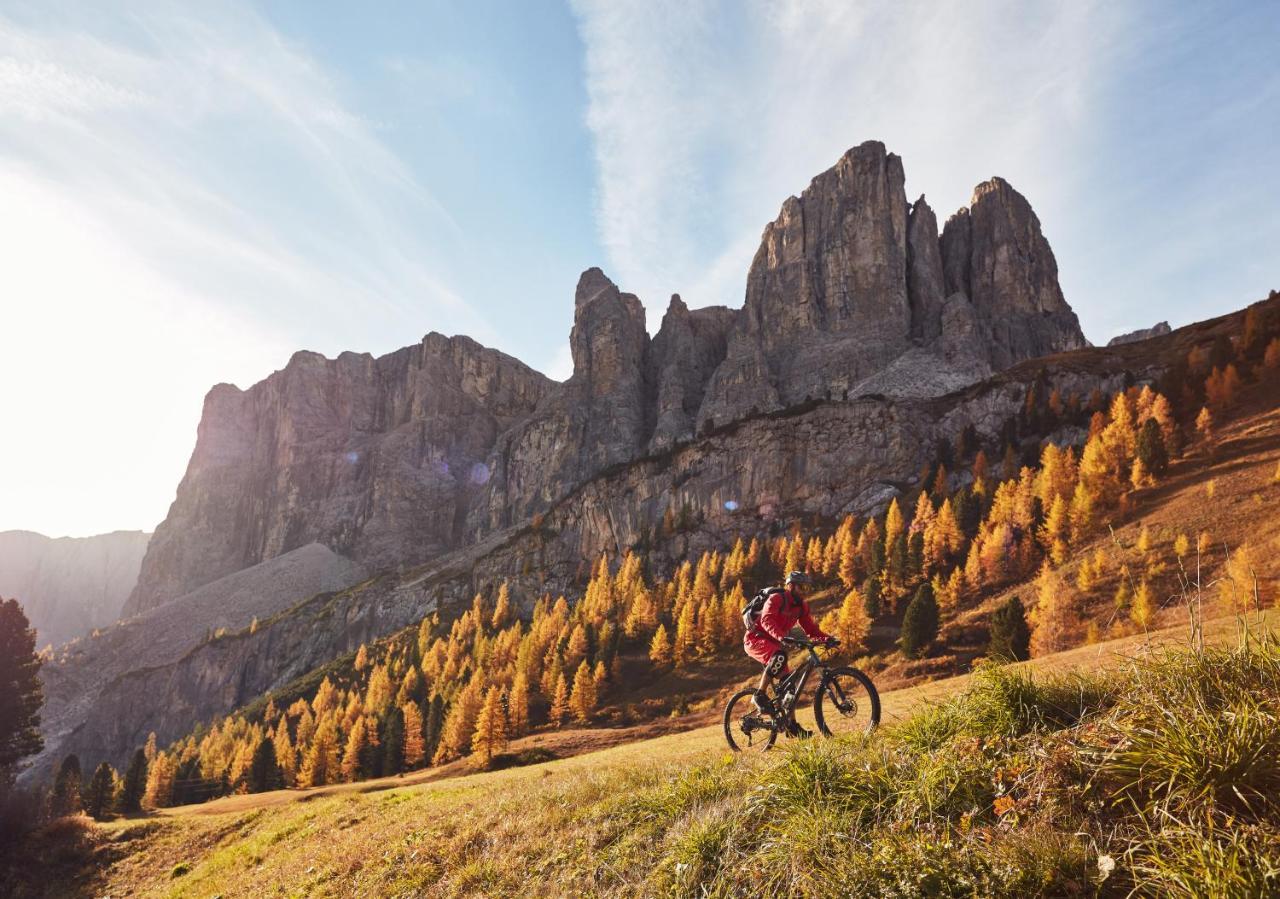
x: 392, y: 461
x: 592, y: 283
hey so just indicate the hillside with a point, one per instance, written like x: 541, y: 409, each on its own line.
x: 70, y: 585
x: 1004, y: 768
x: 646, y: 646
x: 446, y: 469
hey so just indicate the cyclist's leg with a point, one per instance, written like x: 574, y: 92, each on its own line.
x: 769, y: 653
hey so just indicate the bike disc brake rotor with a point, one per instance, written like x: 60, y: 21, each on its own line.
x: 846, y: 705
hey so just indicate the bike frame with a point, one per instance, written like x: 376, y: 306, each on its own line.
x: 797, y: 679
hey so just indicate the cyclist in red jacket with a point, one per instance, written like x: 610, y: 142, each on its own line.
x: 783, y: 609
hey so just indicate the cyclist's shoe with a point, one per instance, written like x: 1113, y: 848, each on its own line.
x: 763, y: 704
x: 798, y: 732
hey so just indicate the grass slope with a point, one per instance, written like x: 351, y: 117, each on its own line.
x: 916, y: 810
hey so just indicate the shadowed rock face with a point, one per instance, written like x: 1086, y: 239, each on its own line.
x: 995, y: 254
x: 394, y: 461
x: 377, y: 459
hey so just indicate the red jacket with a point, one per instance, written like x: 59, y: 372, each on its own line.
x: 782, y: 611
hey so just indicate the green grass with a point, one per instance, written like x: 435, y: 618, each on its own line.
x: 1156, y: 777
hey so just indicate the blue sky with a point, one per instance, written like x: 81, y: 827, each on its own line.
x: 194, y: 191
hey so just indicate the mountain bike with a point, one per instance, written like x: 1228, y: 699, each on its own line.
x: 846, y: 702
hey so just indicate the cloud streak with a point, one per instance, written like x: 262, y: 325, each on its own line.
x: 707, y: 115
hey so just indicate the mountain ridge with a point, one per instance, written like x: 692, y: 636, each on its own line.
x: 852, y: 292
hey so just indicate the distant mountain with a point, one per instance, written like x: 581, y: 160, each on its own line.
x: 1157, y: 330
x: 70, y: 585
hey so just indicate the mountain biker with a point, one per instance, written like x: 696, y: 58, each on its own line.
x: 782, y: 610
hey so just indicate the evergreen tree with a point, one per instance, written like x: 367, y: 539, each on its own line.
x: 20, y: 692
x: 1010, y: 634
x: 920, y: 623
x: 65, y: 797
x: 135, y: 783
x: 264, y: 773
x: 99, y: 792
x: 872, y: 598
x: 1151, y: 448
x: 435, y: 724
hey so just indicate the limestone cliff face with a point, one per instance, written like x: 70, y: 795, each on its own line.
x: 394, y: 461
x: 995, y: 255
x: 375, y: 458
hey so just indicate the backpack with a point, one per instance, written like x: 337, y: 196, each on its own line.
x: 755, y: 605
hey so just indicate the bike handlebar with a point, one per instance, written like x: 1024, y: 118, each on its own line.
x: 801, y: 642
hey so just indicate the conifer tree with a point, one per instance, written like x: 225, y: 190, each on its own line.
x: 893, y: 523
x: 99, y: 791
x: 1010, y: 635
x: 264, y: 773
x: 920, y: 623
x: 435, y: 725
x: 559, y: 702
x: 660, y: 647
x: 503, y: 612
x: 490, y: 736
x: 518, y: 707
x: 160, y: 777
x: 65, y: 797
x: 1152, y: 452
x: 682, y: 649
x: 21, y: 694
x: 872, y: 598
x: 852, y: 623
x: 847, y: 565
x: 414, y: 750
x: 135, y: 783
x: 1051, y: 615
x: 1204, y: 424
x: 320, y: 766
x: 582, y: 701
x: 460, y: 723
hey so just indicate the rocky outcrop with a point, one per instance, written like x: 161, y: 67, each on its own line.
x: 827, y: 299
x: 378, y: 459
x: 995, y: 254
x: 1157, y: 330
x: 70, y: 585
x: 926, y: 284
x: 685, y: 353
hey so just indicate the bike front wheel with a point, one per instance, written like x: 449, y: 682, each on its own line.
x: 745, y: 729
x: 846, y: 703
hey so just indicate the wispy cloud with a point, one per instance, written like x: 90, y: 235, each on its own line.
x: 707, y: 115
x: 188, y: 200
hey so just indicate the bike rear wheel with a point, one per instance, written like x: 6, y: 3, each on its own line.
x: 745, y: 729
x: 846, y: 703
